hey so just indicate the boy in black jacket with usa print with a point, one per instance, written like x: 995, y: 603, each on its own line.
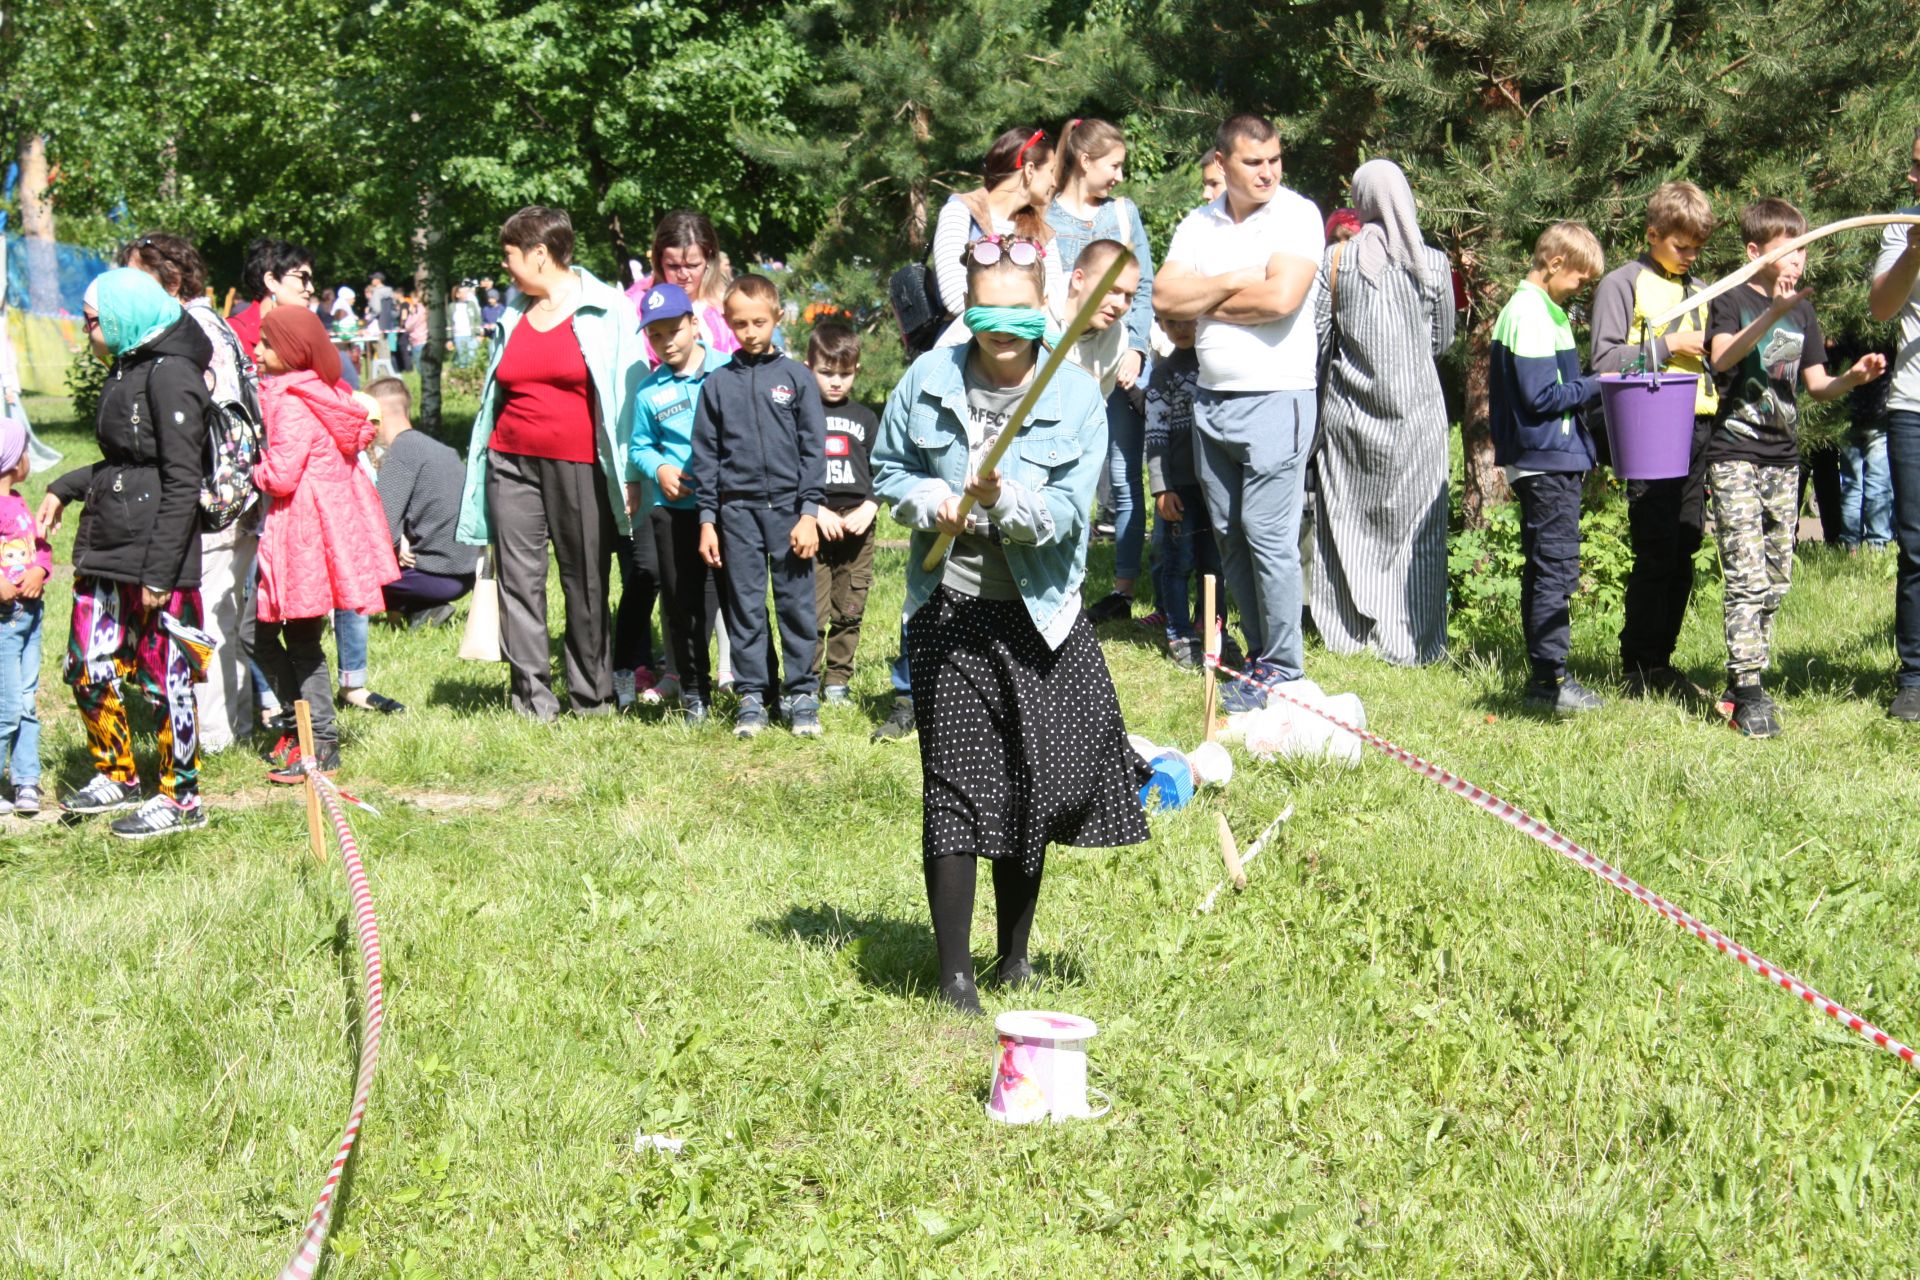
x: 759, y: 466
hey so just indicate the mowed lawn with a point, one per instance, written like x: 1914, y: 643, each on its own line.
x: 1418, y: 1045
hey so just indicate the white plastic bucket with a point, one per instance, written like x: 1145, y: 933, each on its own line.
x: 1040, y: 1069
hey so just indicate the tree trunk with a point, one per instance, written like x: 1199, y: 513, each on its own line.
x: 917, y: 189
x: 36, y: 228
x: 1485, y: 484
x: 430, y: 283
x: 602, y: 179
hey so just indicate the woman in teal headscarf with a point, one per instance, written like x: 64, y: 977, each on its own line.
x: 136, y: 561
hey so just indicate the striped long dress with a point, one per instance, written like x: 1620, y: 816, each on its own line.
x: 1380, y: 542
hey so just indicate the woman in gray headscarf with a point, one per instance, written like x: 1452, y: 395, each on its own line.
x: 1384, y: 311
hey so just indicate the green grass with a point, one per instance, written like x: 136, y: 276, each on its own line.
x: 1418, y: 1045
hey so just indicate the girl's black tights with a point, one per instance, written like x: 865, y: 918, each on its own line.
x: 950, y: 884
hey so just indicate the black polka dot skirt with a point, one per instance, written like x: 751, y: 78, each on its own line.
x: 1021, y: 746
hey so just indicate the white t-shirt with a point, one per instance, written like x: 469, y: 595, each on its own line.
x: 1280, y: 355
x: 1099, y: 350
x: 1905, y: 392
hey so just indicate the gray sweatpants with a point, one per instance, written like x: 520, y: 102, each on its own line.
x: 226, y: 604
x: 1253, y: 448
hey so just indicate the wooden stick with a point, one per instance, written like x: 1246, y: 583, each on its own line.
x: 1747, y: 272
x: 316, y: 835
x: 1210, y: 637
x: 226, y: 309
x: 1019, y: 419
x: 1230, y: 854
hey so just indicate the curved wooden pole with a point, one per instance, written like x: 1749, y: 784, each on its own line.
x: 1747, y: 272
x: 1027, y: 401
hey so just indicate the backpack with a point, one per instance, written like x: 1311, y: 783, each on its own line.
x: 234, y: 439
x: 914, y: 295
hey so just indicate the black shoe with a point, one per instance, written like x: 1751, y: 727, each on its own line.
x: 1115, y: 608
x: 438, y: 616
x: 372, y: 702
x: 160, y: 816
x: 1665, y: 681
x: 101, y: 795
x: 899, y: 722
x: 1753, y: 712
x: 1569, y: 697
x: 1186, y: 652
x: 1906, y: 704
x: 1011, y: 975
x: 960, y: 993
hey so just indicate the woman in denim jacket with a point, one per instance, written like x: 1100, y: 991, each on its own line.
x: 1021, y: 740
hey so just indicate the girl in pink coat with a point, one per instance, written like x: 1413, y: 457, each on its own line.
x: 325, y: 544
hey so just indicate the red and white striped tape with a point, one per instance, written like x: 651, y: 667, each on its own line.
x: 367, y: 933
x: 1528, y: 825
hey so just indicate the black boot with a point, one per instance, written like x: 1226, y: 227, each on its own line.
x: 959, y: 992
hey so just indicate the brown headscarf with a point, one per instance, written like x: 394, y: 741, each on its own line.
x: 300, y: 340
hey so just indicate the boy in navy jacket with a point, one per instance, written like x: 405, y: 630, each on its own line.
x: 1535, y: 393
x: 759, y: 467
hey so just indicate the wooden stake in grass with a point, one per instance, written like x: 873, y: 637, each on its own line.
x: 1747, y: 272
x: 316, y: 835
x: 1210, y: 638
x: 1019, y: 419
x: 1230, y: 854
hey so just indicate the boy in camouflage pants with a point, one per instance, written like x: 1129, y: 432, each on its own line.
x: 1764, y: 341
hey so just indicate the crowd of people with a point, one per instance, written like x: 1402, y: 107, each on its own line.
x: 664, y: 430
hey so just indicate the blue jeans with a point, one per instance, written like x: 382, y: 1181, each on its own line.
x: 19, y: 682
x: 1126, y: 457
x: 1179, y: 548
x: 1903, y: 465
x: 1252, y: 458
x: 902, y: 677
x: 1866, y: 491
x: 462, y: 352
x: 350, y: 644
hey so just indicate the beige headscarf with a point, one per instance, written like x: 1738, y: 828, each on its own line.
x: 1391, y: 230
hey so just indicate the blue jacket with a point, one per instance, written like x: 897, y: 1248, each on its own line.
x: 1117, y: 219
x: 663, y: 412
x: 1534, y: 388
x: 608, y: 330
x: 1046, y: 481
x: 760, y: 434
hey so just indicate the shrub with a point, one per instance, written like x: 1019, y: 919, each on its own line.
x: 86, y: 380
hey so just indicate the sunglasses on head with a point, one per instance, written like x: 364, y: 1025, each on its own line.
x: 1018, y: 250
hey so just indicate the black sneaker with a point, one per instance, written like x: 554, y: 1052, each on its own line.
x: 899, y: 722
x: 101, y: 795
x: 959, y: 993
x: 1753, y: 712
x: 1665, y: 681
x: 160, y: 816
x: 284, y: 745
x: 1906, y: 704
x: 294, y: 773
x: 803, y: 715
x: 438, y: 616
x: 1115, y: 608
x: 26, y: 800
x: 1011, y: 975
x: 751, y: 719
x: 1185, y: 652
x: 1569, y: 697
x: 693, y: 707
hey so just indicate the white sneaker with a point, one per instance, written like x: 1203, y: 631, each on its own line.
x: 623, y: 692
x: 665, y: 689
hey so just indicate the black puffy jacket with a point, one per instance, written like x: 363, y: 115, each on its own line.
x: 142, y: 518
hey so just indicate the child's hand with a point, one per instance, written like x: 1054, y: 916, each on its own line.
x: 8, y: 592
x: 668, y: 478
x: 985, y: 488
x: 947, y: 518
x: 1786, y: 297
x: 831, y: 525
x: 636, y: 494
x: 33, y: 582
x: 1171, y: 509
x: 805, y: 539
x: 710, y: 545
x: 1687, y: 342
x: 1131, y: 362
x: 1867, y: 368
x: 48, y: 517
x: 857, y: 521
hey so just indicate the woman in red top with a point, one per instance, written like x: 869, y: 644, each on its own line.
x: 547, y: 461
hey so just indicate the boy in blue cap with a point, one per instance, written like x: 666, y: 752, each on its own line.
x: 660, y: 454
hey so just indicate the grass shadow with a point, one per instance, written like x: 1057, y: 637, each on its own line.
x: 1799, y: 671
x: 458, y: 693
x: 888, y: 953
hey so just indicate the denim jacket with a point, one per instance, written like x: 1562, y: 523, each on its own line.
x: 1116, y: 219
x: 1047, y: 480
x: 609, y: 333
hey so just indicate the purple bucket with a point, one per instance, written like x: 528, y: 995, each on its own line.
x: 1650, y: 423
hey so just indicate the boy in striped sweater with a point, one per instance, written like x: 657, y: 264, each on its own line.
x: 1535, y: 392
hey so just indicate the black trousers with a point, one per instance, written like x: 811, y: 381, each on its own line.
x: 685, y: 583
x: 1664, y: 523
x: 291, y: 654
x: 639, y: 588
x: 534, y: 503
x: 1822, y: 467
x: 754, y: 548
x: 1550, y: 539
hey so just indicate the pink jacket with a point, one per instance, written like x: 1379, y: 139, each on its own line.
x: 325, y: 544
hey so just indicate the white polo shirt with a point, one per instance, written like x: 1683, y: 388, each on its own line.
x: 1280, y: 355
x: 1905, y: 395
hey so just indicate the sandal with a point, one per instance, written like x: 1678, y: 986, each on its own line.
x: 372, y: 702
